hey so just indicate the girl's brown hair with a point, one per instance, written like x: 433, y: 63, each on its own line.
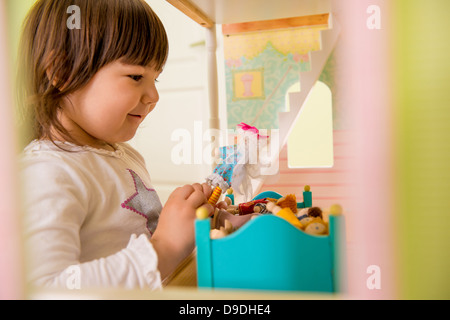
x: 57, y: 60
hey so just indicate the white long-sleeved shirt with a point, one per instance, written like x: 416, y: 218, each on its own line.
x: 89, y: 214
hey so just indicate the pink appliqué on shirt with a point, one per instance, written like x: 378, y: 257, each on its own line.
x: 144, y: 202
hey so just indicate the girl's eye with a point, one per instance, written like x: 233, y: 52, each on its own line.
x: 136, y: 77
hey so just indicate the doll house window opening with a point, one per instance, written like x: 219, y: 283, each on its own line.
x: 310, y: 143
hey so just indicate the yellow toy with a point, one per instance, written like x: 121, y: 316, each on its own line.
x: 288, y: 202
x: 335, y: 210
x: 214, y: 198
x: 284, y: 213
x: 316, y: 227
x: 202, y: 213
x: 229, y: 198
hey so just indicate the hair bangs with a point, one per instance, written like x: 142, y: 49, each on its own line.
x: 140, y: 36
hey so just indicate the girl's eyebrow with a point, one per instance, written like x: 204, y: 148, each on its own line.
x: 140, y: 68
x: 129, y: 65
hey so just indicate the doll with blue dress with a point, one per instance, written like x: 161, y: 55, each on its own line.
x: 238, y: 163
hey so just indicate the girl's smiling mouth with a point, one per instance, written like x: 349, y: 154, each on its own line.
x: 137, y: 116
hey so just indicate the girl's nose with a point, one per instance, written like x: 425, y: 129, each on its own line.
x: 150, y: 96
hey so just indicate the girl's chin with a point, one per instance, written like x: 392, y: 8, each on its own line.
x: 127, y: 137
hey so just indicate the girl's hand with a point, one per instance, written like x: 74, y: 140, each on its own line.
x: 174, y: 237
x: 222, y: 205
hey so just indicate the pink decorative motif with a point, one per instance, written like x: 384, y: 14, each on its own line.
x: 250, y: 128
x: 144, y: 202
x: 236, y: 63
x: 247, y: 80
x: 300, y: 57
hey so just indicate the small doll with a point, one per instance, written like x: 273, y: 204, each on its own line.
x: 308, y: 214
x: 222, y: 231
x: 224, y: 223
x: 254, y: 206
x: 288, y: 201
x: 238, y: 163
x: 285, y: 213
x: 316, y: 227
x: 261, y: 208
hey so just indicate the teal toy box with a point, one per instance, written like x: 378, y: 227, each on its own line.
x: 269, y: 253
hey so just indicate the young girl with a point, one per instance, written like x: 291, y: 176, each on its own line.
x: 93, y: 218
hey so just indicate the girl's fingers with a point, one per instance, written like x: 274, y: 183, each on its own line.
x: 222, y: 205
x: 197, y: 198
x: 197, y: 187
x: 207, y: 190
x: 183, y: 192
x: 196, y: 195
x: 193, y: 194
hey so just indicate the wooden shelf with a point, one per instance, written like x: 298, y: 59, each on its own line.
x: 254, y: 26
x: 209, y: 12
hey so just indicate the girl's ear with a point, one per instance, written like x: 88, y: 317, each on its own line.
x: 54, y: 82
x: 53, y: 67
